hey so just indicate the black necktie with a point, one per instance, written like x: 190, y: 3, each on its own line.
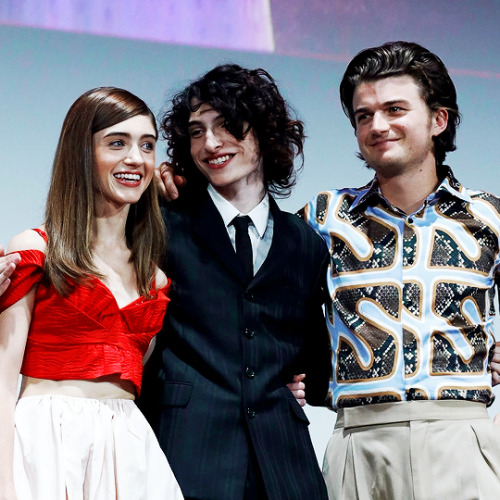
x: 243, y: 244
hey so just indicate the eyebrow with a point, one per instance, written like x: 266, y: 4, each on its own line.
x: 198, y: 122
x: 386, y: 104
x: 127, y: 135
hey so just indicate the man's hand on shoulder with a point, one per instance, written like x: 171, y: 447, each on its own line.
x: 298, y: 388
x: 168, y: 183
x: 7, y: 266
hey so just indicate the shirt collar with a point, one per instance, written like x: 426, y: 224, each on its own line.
x: 259, y: 214
x: 449, y: 184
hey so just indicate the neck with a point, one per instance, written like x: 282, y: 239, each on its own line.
x: 409, y: 190
x: 244, y: 199
x: 108, y: 230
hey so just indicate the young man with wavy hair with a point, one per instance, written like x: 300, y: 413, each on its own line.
x: 413, y: 271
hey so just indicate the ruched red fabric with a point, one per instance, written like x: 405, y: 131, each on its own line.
x: 84, y: 335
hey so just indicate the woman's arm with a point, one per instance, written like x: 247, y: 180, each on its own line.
x: 14, y: 327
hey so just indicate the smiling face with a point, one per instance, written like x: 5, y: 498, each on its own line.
x: 124, y: 161
x: 394, y: 126
x: 229, y: 164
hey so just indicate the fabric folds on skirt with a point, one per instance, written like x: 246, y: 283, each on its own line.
x: 71, y: 448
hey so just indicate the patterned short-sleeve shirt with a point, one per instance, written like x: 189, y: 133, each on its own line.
x: 412, y: 296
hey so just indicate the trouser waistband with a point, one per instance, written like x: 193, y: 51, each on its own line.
x: 405, y: 411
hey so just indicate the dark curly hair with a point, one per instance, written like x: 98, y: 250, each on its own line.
x: 248, y: 100
x: 400, y: 59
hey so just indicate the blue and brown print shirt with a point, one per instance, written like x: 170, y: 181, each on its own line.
x: 412, y: 296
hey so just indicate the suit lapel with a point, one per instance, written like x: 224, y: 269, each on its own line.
x: 282, y: 245
x: 210, y: 230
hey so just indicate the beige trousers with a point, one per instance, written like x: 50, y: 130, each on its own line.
x: 417, y: 450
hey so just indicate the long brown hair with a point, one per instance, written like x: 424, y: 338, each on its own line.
x: 71, y: 204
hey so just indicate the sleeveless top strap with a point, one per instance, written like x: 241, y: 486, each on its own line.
x: 41, y: 233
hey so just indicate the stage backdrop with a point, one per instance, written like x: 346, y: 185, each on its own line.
x: 155, y: 48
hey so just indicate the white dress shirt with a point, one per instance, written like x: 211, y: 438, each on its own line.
x: 260, y: 229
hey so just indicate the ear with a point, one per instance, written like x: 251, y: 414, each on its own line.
x: 439, y: 121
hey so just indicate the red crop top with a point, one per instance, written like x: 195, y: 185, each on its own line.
x: 85, y: 335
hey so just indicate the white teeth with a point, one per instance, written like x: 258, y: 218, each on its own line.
x: 220, y: 160
x: 128, y: 177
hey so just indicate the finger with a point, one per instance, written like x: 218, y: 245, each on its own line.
x: 497, y: 419
x: 167, y: 176
x: 496, y: 353
x: 180, y: 180
x: 495, y: 378
x: 15, y: 258
x: 8, y: 264
x: 299, y: 378
x: 4, y: 263
x: 159, y: 183
x: 299, y: 394
x: 4, y: 285
x: 296, y: 386
x: 171, y: 191
x: 9, y: 269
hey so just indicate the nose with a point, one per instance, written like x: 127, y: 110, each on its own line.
x: 380, y: 123
x: 212, y: 141
x: 134, y: 156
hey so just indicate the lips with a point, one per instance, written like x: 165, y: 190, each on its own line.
x: 382, y: 142
x: 128, y: 179
x: 219, y: 162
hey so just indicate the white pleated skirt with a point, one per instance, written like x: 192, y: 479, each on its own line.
x: 71, y: 448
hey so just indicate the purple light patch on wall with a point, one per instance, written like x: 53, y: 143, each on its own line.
x: 227, y: 24
x: 465, y: 34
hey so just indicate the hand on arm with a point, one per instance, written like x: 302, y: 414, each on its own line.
x: 495, y: 365
x: 298, y: 388
x: 168, y: 182
x: 7, y: 266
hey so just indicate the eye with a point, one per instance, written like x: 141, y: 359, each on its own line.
x: 149, y: 146
x: 117, y: 143
x: 395, y: 109
x: 361, y: 117
x: 195, y: 132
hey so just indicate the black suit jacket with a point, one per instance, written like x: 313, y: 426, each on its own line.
x: 216, y: 385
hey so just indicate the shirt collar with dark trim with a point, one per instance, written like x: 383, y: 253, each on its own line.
x: 449, y: 184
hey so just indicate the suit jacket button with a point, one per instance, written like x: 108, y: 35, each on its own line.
x: 249, y: 333
x: 251, y: 413
x: 250, y: 373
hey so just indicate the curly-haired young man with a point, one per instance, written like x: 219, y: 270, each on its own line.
x: 216, y: 392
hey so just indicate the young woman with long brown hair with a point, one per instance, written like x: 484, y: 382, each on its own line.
x: 83, y: 307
